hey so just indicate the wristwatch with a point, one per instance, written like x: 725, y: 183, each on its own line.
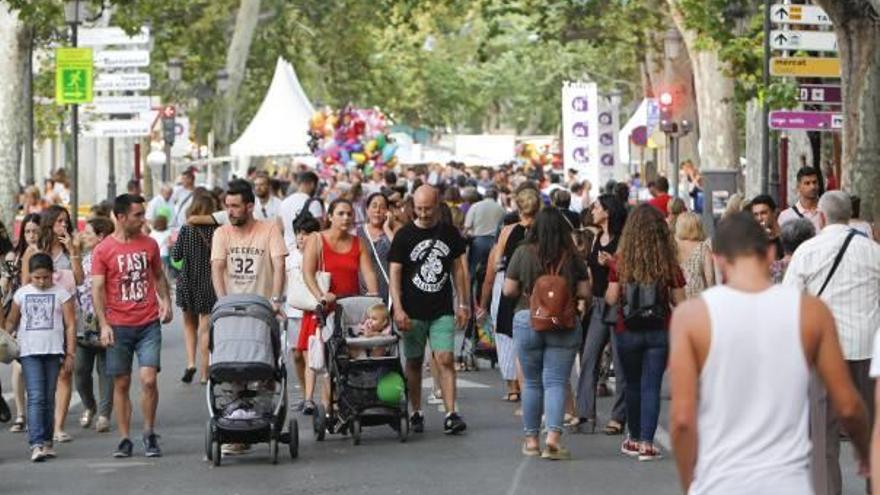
x: 279, y: 299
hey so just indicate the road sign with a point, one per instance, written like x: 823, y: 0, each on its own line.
x: 112, y: 36
x: 806, y: 121
x: 134, y: 81
x: 799, y: 14
x: 805, y: 67
x: 814, y: 41
x: 819, y: 94
x: 116, y: 128
x: 119, y: 105
x: 119, y: 59
x: 73, y: 75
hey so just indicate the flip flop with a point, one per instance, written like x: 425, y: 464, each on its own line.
x: 512, y: 397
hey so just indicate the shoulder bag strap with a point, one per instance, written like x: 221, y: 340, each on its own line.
x: 797, y: 212
x: 376, y: 255
x: 837, y: 259
x: 203, y: 237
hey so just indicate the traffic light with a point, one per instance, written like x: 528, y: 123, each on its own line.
x: 667, y: 112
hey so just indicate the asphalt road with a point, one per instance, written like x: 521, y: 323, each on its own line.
x: 484, y: 460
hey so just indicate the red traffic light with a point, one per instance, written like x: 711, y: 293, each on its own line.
x: 666, y: 98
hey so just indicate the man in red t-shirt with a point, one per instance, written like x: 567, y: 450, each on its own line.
x: 126, y: 276
x: 661, y: 200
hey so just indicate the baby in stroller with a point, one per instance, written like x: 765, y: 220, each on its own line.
x: 376, y: 323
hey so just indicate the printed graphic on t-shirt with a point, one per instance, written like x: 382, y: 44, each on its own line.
x: 244, y: 263
x: 134, y: 281
x: 429, y: 255
x: 39, y: 311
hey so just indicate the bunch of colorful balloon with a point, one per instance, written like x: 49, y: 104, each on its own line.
x: 351, y: 138
x: 530, y: 155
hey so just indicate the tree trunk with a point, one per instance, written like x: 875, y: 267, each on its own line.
x: 857, y: 24
x: 715, y: 97
x: 12, y: 63
x: 236, y: 63
x: 754, y: 119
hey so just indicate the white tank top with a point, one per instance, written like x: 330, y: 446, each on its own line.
x: 752, y: 424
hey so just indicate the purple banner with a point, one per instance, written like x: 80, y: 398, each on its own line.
x: 806, y: 121
x: 818, y: 94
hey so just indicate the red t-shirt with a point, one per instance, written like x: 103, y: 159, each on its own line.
x: 614, y: 277
x: 661, y: 202
x: 129, y: 281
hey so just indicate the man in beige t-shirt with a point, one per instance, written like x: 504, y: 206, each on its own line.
x: 247, y: 256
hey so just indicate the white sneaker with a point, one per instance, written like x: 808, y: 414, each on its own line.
x: 62, y: 437
x: 49, y: 451
x: 102, y: 425
x: 37, y: 454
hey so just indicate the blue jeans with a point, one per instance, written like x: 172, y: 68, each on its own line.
x: 598, y: 335
x: 643, y: 354
x: 40, y: 379
x: 546, y: 359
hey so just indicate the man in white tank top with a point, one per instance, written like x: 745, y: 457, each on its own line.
x: 740, y: 360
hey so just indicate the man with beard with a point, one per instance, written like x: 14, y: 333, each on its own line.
x: 267, y: 205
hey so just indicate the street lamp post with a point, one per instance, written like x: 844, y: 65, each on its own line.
x: 669, y: 123
x: 175, y: 73
x: 222, y: 88
x: 72, y: 11
x: 765, y: 120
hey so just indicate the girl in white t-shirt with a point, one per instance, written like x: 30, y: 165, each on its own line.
x: 44, y: 320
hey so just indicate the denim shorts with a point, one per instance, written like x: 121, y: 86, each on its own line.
x: 145, y: 341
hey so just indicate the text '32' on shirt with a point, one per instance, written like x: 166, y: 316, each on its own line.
x: 248, y: 256
x: 427, y: 257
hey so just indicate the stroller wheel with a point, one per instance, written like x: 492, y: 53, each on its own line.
x: 319, y: 423
x: 209, y: 439
x: 293, y: 434
x: 356, y: 431
x: 215, y: 452
x: 273, y: 450
x: 403, y: 427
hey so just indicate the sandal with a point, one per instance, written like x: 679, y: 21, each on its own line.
x: 512, y: 397
x: 557, y: 453
x: 19, y: 425
x: 613, y: 428
x: 531, y: 451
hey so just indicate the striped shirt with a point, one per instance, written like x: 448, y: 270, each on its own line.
x: 853, y: 294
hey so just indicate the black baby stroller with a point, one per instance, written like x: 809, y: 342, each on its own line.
x: 247, y: 382
x: 355, y: 381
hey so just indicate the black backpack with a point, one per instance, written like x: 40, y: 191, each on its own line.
x: 645, y: 306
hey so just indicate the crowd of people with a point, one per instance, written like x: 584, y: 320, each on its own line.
x: 576, y: 289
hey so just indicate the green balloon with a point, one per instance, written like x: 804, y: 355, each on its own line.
x: 164, y: 211
x: 390, y: 389
x: 380, y: 141
x: 177, y: 264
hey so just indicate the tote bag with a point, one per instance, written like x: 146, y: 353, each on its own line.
x: 298, y: 293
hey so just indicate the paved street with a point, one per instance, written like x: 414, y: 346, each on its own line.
x: 486, y: 460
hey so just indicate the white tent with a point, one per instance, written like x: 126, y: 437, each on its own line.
x: 281, y: 124
x: 638, y: 119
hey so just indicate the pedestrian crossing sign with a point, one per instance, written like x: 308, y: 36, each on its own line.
x: 73, y: 76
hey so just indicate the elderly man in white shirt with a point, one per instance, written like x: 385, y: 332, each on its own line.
x: 852, y: 292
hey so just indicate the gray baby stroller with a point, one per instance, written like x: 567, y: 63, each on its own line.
x: 247, y: 380
x: 356, y: 376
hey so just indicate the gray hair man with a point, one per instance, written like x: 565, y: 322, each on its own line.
x: 842, y: 267
x: 161, y: 203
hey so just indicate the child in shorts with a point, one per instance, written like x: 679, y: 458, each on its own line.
x: 376, y: 323
x: 302, y: 227
x: 44, y: 320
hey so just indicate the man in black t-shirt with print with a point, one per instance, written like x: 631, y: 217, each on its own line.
x: 426, y: 258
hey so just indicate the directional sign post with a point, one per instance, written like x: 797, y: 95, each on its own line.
x: 114, y: 59
x: 814, y: 41
x: 806, y: 121
x: 819, y: 94
x: 119, y: 105
x: 112, y: 36
x: 799, y: 14
x: 805, y: 67
x: 133, y: 81
x: 73, y: 76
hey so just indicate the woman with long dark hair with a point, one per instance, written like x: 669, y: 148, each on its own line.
x: 546, y: 357
x: 28, y: 235
x: 341, y: 254
x: 610, y: 216
x: 645, y: 275
x: 376, y: 235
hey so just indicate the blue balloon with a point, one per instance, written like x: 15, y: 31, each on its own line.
x: 344, y: 156
x: 388, y: 152
x: 358, y: 147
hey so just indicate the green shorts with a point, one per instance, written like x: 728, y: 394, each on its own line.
x: 441, y: 332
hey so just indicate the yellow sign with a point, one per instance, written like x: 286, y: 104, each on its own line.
x: 795, y: 13
x: 73, y: 76
x: 805, y: 67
